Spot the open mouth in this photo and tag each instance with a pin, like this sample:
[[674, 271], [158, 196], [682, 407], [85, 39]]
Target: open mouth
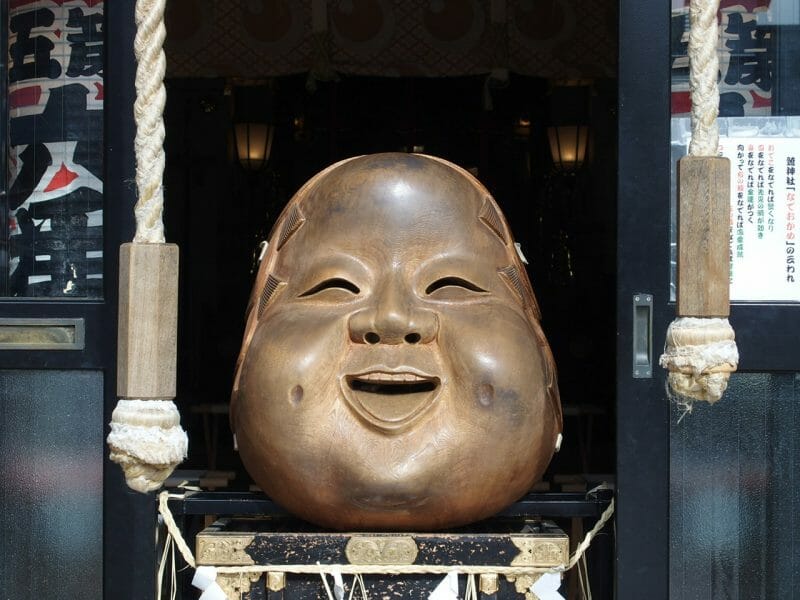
[[392, 384], [388, 399]]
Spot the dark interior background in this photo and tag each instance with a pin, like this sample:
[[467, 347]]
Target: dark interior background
[[218, 213]]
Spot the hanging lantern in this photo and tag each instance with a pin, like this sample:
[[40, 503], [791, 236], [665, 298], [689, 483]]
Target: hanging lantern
[[568, 133], [568, 145], [253, 144], [253, 129]]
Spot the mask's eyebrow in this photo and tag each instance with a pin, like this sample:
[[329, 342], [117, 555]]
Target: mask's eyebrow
[[489, 217], [333, 263]]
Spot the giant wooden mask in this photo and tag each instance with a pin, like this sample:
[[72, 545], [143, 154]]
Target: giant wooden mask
[[393, 373]]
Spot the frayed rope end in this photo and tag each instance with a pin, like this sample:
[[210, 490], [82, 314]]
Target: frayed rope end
[[700, 355]]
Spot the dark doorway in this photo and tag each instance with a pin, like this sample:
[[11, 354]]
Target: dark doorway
[[564, 220]]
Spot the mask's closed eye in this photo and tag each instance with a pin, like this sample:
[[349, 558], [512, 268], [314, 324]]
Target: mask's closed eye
[[452, 286], [334, 283]]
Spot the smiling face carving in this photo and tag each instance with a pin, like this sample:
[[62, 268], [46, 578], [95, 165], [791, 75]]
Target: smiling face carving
[[393, 373]]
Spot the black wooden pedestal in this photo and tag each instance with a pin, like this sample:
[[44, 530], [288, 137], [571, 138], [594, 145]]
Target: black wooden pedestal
[[494, 544], [255, 531]]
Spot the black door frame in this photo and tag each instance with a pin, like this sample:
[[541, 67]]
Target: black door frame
[[129, 525], [766, 333], [129, 550], [643, 199], [643, 413], [642, 266]]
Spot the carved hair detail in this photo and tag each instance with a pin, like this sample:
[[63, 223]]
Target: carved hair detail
[[270, 287], [514, 280], [294, 222], [489, 217], [510, 276]]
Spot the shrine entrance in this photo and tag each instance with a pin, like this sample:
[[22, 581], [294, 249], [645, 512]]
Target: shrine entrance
[[705, 499]]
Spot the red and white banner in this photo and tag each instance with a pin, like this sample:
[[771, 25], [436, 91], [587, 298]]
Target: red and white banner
[[55, 100]]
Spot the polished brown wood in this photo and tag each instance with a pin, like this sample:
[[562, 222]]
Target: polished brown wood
[[703, 232], [393, 373], [148, 318]]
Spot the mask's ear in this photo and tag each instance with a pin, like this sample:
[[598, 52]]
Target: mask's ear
[[255, 307], [515, 277], [553, 397]]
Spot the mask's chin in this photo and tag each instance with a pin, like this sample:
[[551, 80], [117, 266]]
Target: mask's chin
[[390, 399], [391, 502]]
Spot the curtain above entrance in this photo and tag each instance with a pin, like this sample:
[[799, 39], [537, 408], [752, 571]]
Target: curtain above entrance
[[408, 38]]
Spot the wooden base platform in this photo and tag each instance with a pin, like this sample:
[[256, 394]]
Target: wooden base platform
[[495, 544]]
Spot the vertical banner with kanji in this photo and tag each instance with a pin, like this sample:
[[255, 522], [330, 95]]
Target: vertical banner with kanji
[[55, 101], [764, 218]]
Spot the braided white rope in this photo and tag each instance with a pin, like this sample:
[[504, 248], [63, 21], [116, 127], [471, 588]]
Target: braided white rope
[[148, 111], [146, 438], [700, 353], [587, 541], [703, 73], [172, 527]]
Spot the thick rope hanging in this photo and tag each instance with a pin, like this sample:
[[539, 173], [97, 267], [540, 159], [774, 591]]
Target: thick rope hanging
[[700, 352], [146, 438], [703, 70], [148, 110]]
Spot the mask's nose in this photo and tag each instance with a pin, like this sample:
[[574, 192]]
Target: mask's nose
[[393, 317]]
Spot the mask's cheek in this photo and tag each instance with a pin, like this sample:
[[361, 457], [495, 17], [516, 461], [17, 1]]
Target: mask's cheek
[[293, 365], [495, 368]]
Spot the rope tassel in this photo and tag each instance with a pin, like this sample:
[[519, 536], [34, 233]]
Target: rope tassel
[[700, 355], [700, 351]]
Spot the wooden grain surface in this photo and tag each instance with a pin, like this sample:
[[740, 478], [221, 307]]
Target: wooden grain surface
[[148, 320], [703, 237]]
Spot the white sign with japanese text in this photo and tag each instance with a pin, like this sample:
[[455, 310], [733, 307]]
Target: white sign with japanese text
[[764, 217]]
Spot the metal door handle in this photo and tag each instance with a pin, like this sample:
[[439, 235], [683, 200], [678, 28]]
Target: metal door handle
[[642, 335]]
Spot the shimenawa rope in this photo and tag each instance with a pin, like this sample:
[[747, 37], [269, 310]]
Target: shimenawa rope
[[703, 72], [700, 353], [148, 110], [146, 438]]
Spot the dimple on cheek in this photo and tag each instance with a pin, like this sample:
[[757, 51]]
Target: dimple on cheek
[[488, 395], [296, 395], [485, 395]]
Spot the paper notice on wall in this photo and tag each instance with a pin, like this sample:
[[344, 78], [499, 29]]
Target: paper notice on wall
[[764, 218]]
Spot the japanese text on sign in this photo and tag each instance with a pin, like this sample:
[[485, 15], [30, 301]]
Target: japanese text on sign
[[763, 239]]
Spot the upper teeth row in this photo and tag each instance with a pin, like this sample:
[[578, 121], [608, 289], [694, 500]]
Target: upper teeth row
[[391, 377]]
